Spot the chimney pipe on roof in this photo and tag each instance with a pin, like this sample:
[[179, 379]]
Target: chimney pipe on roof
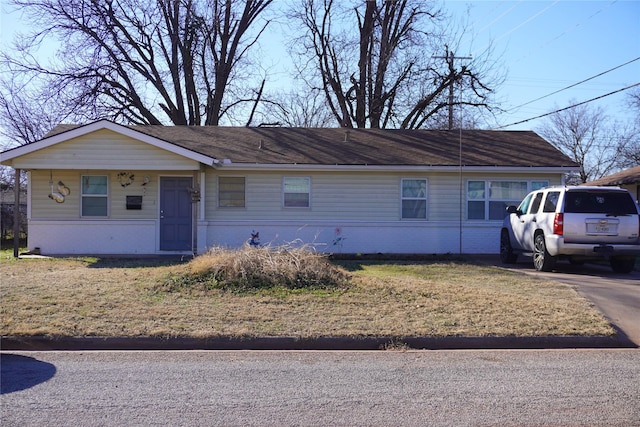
[[346, 136], [261, 146]]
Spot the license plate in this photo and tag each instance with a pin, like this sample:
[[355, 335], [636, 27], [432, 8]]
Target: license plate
[[602, 228]]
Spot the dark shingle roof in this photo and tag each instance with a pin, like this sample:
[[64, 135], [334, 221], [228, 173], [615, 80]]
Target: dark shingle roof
[[339, 146], [625, 177]]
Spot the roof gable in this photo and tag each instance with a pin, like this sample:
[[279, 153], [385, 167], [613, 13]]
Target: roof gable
[[64, 133]]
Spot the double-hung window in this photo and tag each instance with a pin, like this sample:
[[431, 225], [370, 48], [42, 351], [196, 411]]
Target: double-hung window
[[231, 191], [489, 199], [296, 192], [95, 195], [414, 198]]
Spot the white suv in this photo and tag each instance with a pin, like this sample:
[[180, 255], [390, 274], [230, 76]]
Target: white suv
[[579, 223]]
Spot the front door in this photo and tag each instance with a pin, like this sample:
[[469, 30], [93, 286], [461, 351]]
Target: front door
[[175, 214]]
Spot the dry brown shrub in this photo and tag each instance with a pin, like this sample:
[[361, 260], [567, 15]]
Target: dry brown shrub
[[249, 268]]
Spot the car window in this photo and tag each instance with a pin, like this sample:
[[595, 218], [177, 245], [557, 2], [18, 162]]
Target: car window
[[535, 205], [524, 205], [615, 202], [551, 201]]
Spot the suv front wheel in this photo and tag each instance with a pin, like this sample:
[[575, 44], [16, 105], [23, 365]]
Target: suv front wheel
[[542, 260], [507, 256]]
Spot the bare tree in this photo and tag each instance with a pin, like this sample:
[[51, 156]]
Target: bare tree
[[585, 135], [385, 74], [296, 108], [629, 144], [182, 62]]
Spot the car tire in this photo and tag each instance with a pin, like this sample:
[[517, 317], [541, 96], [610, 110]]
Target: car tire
[[622, 264], [506, 250], [542, 260]]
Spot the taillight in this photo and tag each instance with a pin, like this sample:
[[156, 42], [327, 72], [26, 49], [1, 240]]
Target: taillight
[[558, 224]]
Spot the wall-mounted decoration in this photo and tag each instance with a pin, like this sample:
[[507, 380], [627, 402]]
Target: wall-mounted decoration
[[338, 240], [145, 181], [62, 190], [125, 179]]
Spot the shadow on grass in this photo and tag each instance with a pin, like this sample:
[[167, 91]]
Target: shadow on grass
[[146, 262], [355, 262]]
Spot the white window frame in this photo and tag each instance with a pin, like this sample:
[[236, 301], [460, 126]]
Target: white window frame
[[531, 185], [83, 196], [285, 192], [424, 198], [244, 193]]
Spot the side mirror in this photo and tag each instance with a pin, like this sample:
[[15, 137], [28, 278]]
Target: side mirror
[[513, 210]]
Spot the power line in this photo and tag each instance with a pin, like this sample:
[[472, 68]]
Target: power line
[[575, 84], [567, 31], [571, 106], [526, 21]]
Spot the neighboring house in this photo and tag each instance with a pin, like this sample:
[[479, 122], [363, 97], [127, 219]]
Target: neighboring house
[[103, 188], [628, 178], [7, 212]]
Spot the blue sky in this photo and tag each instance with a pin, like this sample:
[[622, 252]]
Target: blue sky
[[544, 46]]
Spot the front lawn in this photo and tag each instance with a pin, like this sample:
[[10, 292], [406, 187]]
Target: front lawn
[[143, 297]]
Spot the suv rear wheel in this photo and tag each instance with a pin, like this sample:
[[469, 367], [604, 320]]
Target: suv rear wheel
[[622, 264], [542, 260]]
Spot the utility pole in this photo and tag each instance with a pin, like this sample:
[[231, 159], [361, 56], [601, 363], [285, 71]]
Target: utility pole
[[450, 57]]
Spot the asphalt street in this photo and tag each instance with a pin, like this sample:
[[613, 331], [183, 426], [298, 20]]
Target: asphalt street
[[288, 388]]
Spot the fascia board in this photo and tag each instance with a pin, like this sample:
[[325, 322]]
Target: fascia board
[[392, 168]]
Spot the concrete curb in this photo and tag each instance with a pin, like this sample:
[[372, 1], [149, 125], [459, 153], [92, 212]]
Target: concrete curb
[[321, 343]]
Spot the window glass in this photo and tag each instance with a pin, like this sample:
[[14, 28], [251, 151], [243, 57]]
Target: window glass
[[619, 203], [231, 192], [296, 192], [475, 210], [551, 201], [507, 190], [414, 198], [94, 185], [537, 185], [490, 199], [536, 203], [94, 199], [475, 190], [524, 206]]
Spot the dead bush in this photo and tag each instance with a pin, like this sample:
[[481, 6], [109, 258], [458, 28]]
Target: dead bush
[[252, 268]]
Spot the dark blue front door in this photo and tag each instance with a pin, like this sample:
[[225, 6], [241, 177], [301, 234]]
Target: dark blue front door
[[175, 214]]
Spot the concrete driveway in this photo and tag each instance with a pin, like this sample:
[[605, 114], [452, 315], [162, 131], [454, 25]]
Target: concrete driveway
[[617, 296]]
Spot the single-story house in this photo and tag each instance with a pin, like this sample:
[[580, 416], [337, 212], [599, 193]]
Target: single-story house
[[628, 178], [105, 188]]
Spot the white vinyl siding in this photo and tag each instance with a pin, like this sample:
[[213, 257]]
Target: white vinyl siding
[[145, 184], [105, 150]]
